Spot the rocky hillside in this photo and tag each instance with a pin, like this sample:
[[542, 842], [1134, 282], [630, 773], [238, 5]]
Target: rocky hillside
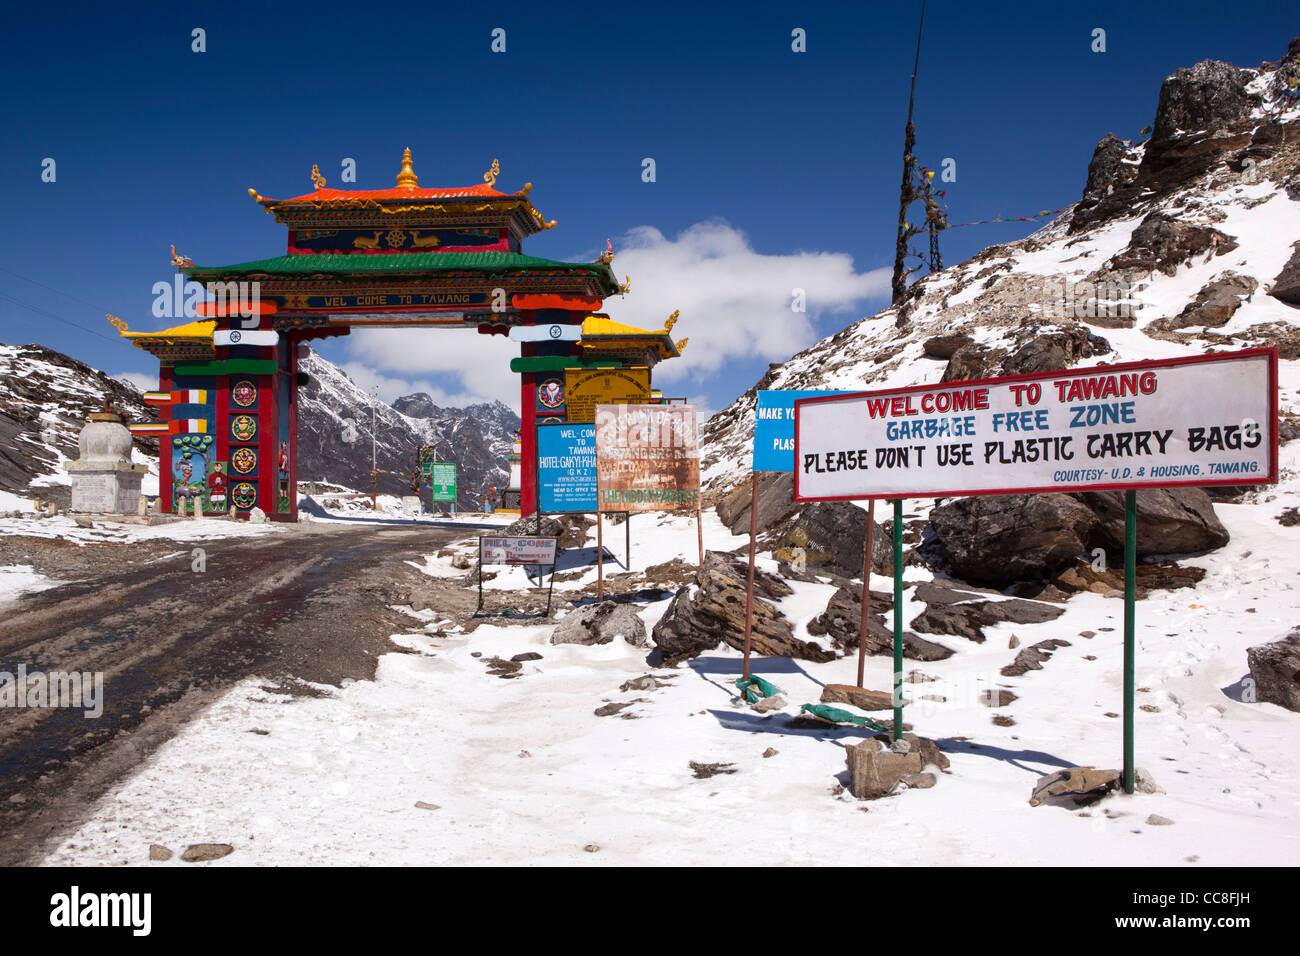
[[335, 440], [45, 397], [1180, 244]]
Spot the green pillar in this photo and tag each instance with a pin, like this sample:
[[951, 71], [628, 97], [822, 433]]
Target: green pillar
[[898, 619], [1130, 654]]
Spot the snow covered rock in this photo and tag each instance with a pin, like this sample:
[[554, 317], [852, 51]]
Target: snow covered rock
[[874, 772], [600, 624], [1074, 787], [1275, 669], [1286, 286], [1210, 95], [843, 617], [711, 610]]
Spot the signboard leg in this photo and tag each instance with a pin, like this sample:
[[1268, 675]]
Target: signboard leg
[[627, 541], [600, 558], [699, 533], [1130, 613], [749, 588], [866, 583], [898, 619]]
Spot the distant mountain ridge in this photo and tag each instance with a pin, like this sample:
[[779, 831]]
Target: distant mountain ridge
[[45, 397]]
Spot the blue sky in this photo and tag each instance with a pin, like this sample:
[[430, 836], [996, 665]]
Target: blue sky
[[774, 169]]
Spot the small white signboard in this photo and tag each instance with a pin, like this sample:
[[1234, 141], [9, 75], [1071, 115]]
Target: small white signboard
[[516, 550]]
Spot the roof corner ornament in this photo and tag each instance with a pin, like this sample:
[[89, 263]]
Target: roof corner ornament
[[608, 255], [490, 177], [407, 179], [681, 346], [180, 261], [117, 323], [672, 320], [626, 287], [317, 179], [528, 187], [257, 197]]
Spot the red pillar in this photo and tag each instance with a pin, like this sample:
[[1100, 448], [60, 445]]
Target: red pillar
[[527, 432]]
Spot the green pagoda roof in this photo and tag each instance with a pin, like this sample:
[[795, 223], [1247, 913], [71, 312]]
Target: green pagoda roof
[[401, 263]]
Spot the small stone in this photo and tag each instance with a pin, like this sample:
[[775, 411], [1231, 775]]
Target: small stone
[[1013, 643], [767, 704], [475, 653], [592, 848], [1091, 634], [421, 805], [202, 852], [259, 731], [1156, 820], [645, 682], [901, 746], [159, 852], [770, 752], [1144, 782], [920, 781], [609, 710], [526, 656]]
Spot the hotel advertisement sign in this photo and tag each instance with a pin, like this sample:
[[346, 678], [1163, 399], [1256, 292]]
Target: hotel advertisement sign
[[1205, 420], [647, 458]]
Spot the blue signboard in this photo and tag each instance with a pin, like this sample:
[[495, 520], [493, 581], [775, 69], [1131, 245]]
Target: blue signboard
[[774, 428], [566, 468]]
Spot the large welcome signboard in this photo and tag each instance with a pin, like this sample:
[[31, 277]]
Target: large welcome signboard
[[566, 468], [647, 458], [1207, 420]]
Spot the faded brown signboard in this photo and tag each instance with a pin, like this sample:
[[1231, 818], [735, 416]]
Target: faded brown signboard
[[587, 388], [647, 458]]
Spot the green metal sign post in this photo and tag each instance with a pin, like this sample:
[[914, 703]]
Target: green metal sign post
[[1130, 613], [898, 619]]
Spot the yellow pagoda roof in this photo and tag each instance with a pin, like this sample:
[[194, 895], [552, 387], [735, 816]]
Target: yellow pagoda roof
[[200, 330], [602, 332]]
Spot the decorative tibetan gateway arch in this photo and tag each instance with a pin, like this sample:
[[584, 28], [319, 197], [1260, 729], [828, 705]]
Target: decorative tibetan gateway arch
[[402, 257]]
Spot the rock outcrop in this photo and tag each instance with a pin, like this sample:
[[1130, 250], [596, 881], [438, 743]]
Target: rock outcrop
[[1275, 669], [710, 610]]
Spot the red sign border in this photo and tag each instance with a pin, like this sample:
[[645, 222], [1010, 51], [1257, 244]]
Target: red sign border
[[1148, 364]]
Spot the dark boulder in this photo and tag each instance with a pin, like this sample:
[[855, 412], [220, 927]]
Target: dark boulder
[[1164, 243], [997, 539], [1169, 521], [1213, 306], [943, 346], [831, 537], [1286, 287], [775, 502], [1210, 96], [1275, 669]]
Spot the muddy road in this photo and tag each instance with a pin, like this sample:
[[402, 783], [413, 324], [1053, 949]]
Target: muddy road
[[169, 634]]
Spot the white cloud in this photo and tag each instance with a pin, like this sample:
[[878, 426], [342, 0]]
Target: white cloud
[[480, 363], [735, 302], [138, 381]]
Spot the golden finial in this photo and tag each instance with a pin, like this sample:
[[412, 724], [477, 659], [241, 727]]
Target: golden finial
[[626, 287], [406, 179], [180, 260], [317, 179], [490, 177], [672, 320], [117, 323], [608, 255], [255, 194], [681, 346], [528, 187]]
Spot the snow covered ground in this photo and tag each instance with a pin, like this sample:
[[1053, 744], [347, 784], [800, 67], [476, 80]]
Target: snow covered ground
[[521, 771]]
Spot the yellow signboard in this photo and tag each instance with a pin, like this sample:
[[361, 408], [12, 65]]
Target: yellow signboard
[[586, 388]]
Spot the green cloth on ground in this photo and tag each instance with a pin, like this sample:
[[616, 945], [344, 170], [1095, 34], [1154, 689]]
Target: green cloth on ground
[[839, 716], [752, 686]]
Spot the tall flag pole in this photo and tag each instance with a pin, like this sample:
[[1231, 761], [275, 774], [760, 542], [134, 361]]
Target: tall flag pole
[[905, 195]]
